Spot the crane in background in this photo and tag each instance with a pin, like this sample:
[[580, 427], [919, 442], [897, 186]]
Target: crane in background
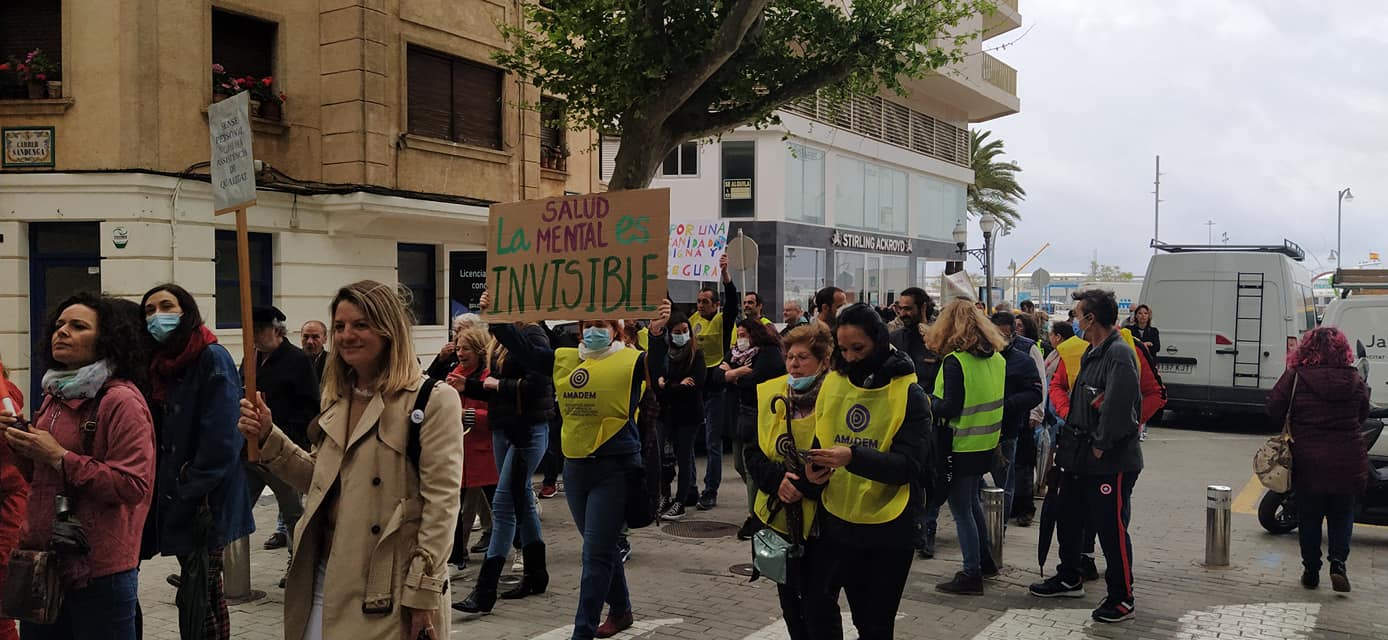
[[1016, 269]]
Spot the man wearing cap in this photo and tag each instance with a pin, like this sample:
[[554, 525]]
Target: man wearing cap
[[285, 376]]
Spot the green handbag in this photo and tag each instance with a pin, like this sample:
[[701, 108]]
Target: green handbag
[[772, 555]]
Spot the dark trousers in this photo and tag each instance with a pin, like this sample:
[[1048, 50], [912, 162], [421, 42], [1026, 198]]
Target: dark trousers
[[104, 609], [1024, 476], [1102, 502], [291, 502], [1338, 513], [679, 439], [798, 599], [552, 465], [596, 489], [873, 580]]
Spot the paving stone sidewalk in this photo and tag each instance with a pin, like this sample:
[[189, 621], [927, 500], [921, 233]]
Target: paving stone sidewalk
[[683, 587]]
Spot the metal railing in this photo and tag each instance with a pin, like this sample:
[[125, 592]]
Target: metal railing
[[998, 74], [890, 122]]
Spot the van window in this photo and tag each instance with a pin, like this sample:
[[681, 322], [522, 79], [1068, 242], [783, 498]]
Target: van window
[[1308, 308]]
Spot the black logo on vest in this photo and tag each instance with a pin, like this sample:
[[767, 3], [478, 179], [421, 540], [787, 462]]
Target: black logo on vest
[[579, 378], [858, 418]]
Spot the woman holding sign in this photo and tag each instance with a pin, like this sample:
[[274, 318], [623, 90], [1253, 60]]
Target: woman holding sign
[[599, 386], [872, 432]]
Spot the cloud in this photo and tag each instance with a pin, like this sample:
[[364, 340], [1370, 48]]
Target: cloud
[[1261, 111]]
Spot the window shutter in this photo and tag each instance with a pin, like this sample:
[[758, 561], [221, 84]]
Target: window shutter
[[476, 104], [608, 160], [429, 94]]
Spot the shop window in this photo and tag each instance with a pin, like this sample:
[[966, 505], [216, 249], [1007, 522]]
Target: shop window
[[848, 274], [804, 184], [242, 45], [26, 25], [870, 196], [739, 179], [554, 145], [683, 161], [228, 291], [804, 274], [939, 204], [417, 272], [453, 99]]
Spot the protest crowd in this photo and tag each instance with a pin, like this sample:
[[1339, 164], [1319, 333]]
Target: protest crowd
[[850, 428]]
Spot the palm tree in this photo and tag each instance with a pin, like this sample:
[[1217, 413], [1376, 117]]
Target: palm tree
[[995, 189]]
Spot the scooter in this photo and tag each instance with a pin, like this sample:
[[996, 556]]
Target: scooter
[[1277, 511]]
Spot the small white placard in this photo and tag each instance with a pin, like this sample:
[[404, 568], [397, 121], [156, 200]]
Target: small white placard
[[233, 165]]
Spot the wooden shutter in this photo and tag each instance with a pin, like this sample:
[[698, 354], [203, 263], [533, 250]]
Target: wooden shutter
[[243, 45], [429, 94], [26, 25], [476, 104], [607, 160]]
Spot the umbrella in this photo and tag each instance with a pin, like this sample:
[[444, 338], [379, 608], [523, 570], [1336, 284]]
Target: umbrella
[[1048, 511], [192, 587]]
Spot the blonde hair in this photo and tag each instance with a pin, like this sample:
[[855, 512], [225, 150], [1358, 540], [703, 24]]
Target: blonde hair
[[476, 340], [962, 327], [387, 312], [816, 339]]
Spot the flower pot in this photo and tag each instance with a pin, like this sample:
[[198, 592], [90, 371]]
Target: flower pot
[[255, 108], [55, 89], [37, 89], [218, 96], [271, 111]]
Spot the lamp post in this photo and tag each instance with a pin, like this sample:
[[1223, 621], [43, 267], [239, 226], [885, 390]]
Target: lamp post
[[987, 222], [1344, 196]]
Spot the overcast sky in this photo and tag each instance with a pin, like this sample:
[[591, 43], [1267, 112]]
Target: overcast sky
[[1261, 111]]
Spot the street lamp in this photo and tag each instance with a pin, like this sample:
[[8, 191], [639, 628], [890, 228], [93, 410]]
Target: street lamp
[[988, 223], [1344, 196]]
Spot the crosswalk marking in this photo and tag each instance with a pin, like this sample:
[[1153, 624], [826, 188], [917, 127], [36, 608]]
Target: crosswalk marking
[[639, 629]]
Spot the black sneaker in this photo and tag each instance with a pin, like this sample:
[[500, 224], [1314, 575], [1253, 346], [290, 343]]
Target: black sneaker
[[1310, 579], [673, 513], [1088, 570], [624, 549], [707, 502], [927, 548], [665, 502], [1112, 611], [1055, 587], [962, 585], [1025, 519], [750, 527], [1339, 580]]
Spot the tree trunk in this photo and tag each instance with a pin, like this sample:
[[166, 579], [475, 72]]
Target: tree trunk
[[638, 158]]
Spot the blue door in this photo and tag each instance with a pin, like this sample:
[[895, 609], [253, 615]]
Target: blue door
[[64, 259]]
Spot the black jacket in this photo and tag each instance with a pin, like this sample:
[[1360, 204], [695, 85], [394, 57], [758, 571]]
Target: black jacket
[[679, 405], [901, 464], [526, 395], [1150, 334], [319, 365], [291, 389], [441, 366], [1022, 389], [1108, 376], [909, 341]]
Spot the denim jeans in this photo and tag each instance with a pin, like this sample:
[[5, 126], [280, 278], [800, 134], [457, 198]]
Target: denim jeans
[[514, 502], [713, 439], [291, 502], [1338, 513], [597, 493], [104, 610], [966, 505], [929, 519], [1004, 476]]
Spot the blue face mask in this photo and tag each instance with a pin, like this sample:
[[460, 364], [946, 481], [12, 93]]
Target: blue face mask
[[161, 325], [801, 384], [679, 339], [596, 338], [1079, 333]]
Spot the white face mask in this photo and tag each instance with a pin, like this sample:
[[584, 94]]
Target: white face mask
[[744, 344]]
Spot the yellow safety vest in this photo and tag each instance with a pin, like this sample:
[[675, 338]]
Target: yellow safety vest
[[979, 426], [594, 397], [643, 339], [709, 336], [771, 429], [732, 335], [847, 414], [1072, 353]]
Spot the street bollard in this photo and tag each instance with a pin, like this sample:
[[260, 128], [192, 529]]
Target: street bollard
[[996, 520], [236, 569], [1218, 503]]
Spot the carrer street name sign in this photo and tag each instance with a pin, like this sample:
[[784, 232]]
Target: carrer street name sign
[[849, 240]]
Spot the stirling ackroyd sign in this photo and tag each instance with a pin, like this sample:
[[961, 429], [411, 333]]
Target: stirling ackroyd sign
[[846, 240]]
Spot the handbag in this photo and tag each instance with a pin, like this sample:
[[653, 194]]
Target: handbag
[[1273, 461], [772, 555]]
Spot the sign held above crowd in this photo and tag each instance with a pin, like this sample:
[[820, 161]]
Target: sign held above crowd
[[695, 247], [601, 255]]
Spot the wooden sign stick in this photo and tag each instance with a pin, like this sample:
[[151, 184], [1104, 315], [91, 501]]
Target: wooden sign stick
[[248, 358]]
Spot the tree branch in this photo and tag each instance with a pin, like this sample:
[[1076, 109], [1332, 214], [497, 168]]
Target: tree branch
[[742, 15]]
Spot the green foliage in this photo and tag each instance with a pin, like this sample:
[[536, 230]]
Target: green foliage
[[661, 72], [995, 189], [1108, 272]]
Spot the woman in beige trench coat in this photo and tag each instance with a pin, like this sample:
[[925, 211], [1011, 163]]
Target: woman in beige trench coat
[[370, 552]]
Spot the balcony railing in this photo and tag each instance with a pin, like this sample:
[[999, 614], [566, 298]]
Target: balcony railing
[[880, 119], [998, 74]]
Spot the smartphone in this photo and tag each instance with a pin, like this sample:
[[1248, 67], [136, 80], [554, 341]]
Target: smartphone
[[21, 424]]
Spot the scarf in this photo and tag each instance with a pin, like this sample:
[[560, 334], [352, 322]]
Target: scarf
[[584, 353], [802, 403], [80, 383], [165, 366], [742, 358], [681, 354]]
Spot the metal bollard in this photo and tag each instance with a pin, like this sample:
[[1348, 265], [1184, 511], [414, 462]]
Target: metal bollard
[[996, 520], [236, 569], [1218, 504]]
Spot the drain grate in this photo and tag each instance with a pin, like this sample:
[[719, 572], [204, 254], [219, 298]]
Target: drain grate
[[700, 529]]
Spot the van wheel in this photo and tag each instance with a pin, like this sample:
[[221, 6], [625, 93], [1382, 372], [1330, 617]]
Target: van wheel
[[1277, 512]]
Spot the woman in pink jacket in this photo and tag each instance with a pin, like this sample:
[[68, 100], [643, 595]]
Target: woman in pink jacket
[[479, 464]]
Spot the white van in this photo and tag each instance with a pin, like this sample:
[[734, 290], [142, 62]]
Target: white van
[[1362, 314], [1227, 315]]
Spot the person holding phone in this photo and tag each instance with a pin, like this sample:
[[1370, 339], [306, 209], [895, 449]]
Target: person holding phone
[[13, 488], [872, 435]]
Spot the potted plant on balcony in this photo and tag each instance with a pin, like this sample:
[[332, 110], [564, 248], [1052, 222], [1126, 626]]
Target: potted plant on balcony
[[222, 83], [35, 70], [271, 102]]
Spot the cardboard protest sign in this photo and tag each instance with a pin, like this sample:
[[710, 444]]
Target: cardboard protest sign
[[601, 255], [233, 166], [695, 247]]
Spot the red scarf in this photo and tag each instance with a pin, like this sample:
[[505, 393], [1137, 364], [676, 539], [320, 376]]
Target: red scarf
[[164, 366]]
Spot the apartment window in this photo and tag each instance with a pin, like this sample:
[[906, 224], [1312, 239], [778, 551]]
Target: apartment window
[[608, 147], [243, 45], [804, 274], [804, 184], [417, 272], [554, 146], [453, 99], [228, 290], [870, 196], [683, 161], [939, 204], [26, 25], [739, 179]]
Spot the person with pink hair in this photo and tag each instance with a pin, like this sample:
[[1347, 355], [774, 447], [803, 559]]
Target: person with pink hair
[[1328, 401]]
